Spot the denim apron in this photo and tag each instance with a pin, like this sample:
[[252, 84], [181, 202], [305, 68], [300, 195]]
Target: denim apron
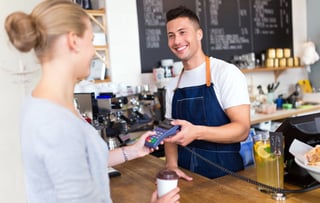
[[199, 105]]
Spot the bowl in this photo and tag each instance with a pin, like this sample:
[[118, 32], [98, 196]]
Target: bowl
[[267, 108], [286, 106], [314, 171]]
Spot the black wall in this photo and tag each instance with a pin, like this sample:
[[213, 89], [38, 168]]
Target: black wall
[[231, 27]]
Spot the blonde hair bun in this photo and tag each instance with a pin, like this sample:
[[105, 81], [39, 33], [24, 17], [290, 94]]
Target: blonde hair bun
[[21, 31]]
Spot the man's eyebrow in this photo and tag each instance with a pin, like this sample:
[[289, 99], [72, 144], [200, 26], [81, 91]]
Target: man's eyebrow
[[180, 29]]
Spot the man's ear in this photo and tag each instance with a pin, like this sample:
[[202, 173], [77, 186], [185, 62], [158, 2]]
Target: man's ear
[[72, 40], [199, 34]]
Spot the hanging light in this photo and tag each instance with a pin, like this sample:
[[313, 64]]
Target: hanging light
[[310, 55]]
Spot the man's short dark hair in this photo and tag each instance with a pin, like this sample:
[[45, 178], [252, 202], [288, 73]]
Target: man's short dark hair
[[182, 11]]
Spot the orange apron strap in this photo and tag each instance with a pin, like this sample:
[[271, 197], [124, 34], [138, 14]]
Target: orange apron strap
[[208, 73]]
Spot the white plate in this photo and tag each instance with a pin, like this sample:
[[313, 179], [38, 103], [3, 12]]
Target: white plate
[[312, 170]]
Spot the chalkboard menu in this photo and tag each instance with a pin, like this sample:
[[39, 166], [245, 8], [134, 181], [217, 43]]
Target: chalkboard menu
[[231, 27]]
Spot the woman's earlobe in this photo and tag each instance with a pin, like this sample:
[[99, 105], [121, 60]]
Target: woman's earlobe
[[72, 41], [200, 34]]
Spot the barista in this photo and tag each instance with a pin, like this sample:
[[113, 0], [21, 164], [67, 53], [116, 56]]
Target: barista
[[209, 99]]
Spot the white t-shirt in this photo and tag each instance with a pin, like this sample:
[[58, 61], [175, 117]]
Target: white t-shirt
[[229, 83], [65, 159]]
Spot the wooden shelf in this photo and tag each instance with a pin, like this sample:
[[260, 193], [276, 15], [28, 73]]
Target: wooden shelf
[[95, 15], [277, 70], [101, 81], [98, 18], [282, 114]]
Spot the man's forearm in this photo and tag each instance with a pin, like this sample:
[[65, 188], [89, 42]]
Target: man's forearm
[[171, 152]]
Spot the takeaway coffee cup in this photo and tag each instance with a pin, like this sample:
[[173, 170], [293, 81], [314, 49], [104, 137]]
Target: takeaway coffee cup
[[167, 180]]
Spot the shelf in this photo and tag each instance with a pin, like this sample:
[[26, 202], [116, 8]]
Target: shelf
[[98, 17], [264, 69], [282, 114], [95, 15], [277, 70], [101, 47], [101, 81]]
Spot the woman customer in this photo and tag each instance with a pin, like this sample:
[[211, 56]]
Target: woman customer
[[65, 159]]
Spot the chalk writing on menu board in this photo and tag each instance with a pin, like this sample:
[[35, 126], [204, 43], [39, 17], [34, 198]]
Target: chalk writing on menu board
[[231, 27]]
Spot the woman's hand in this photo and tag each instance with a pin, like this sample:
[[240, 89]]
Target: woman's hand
[[171, 197], [139, 149]]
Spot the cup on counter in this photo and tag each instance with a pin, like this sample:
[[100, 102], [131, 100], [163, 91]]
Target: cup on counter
[[158, 73], [167, 180], [269, 160]]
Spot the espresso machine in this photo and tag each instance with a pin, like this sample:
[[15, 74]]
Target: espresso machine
[[115, 117], [119, 116]]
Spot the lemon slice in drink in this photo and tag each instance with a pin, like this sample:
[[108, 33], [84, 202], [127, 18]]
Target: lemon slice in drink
[[263, 151]]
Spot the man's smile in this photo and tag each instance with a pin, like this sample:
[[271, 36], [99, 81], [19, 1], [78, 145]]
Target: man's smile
[[181, 48]]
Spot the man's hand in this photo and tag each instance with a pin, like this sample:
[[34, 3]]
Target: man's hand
[[186, 135], [180, 173]]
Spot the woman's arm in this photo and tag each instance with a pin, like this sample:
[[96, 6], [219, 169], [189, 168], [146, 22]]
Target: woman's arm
[[137, 150]]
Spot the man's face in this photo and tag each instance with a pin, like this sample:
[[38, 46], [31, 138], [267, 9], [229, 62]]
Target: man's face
[[184, 38]]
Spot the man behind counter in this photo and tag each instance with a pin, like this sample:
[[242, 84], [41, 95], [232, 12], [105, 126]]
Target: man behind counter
[[209, 99]]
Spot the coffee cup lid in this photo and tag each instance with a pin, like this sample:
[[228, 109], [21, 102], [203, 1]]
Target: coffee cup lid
[[167, 175]]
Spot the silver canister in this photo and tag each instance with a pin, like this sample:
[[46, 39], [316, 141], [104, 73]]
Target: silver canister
[[113, 142]]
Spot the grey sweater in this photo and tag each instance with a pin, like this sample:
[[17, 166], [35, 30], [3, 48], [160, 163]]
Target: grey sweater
[[65, 159]]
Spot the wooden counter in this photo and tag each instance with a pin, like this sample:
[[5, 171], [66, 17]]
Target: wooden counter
[[282, 114], [137, 182]]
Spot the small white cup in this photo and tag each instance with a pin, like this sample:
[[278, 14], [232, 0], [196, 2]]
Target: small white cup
[[167, 180]]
